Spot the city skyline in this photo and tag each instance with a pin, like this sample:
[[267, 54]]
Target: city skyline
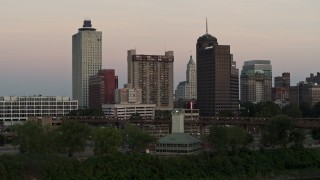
[[35, 52]]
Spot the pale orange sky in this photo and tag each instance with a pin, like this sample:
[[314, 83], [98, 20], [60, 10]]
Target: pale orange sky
[[35, 36]]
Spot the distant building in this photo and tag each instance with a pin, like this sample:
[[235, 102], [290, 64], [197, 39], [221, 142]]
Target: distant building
[[126, 110], [314, 79], [305, 93], [217, 77], [129, 101], [128, 95], [256, 81], [187, 90], [280, 92], [102, 87], [154, 75], [282, 81], [17, 109], [86, 61]]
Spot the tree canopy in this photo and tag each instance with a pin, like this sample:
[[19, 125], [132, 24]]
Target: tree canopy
[[106, 141], [224, 138], [135, 138], [72, 136], [87, 112]]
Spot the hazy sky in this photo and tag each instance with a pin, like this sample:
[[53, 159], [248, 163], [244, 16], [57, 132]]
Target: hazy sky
[[35, 36]]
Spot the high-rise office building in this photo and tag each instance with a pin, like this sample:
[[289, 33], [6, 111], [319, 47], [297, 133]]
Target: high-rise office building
[[154, 75], [86, 61], [187, 90], [217, 77], [256, 81], [102, 87]]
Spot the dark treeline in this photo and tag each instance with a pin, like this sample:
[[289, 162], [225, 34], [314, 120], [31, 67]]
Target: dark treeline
[[246, 164], [270, 109]]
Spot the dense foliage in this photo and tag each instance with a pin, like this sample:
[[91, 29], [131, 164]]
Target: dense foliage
[[246, 164], [87, 112]]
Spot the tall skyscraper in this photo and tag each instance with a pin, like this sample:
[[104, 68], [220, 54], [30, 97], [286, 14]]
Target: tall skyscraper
[[187, 90], [154, 75], [102, 87], [256, 81], [217, 77], [86, 61]]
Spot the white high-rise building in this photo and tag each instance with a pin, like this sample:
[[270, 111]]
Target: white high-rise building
[[86, 61], [187, 90]]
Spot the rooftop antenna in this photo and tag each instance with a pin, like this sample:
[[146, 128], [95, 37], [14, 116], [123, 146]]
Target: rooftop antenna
[[206, 26]]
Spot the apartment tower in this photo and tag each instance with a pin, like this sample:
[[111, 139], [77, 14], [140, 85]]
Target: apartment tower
[[86, 61], [154, 75]]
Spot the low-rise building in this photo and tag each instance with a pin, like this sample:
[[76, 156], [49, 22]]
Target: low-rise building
[[126, 110], [178, 142], [17, 109]]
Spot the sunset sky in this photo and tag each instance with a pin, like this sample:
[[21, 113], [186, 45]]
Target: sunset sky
[[35, 36]]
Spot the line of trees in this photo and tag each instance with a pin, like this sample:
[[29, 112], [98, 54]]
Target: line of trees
[[270, 109], [72, 137]]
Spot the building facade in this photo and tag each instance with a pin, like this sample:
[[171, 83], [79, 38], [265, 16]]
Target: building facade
[[17, 109], [187, 90], [305, 93], [154, 75], [217, 77], [86, 61], [256, 81], [125, 111], [280, 91], [128, 95], [102, 87], [313, 78]]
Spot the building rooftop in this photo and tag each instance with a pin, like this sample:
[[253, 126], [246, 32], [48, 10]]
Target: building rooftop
[[178, 138]]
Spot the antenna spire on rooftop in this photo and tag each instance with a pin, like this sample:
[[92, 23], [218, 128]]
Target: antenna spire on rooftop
[[206, 26]]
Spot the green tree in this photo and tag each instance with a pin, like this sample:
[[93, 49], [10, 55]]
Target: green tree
[[30, 137], [224, 138], [218, 136], [305, 109], [292, 110], [226, 113], [315, 134], [277, 131], [136, 138], [316, 110], [87, 112], [106, 141], [162, 114], [3, 172], [267, 109], [72, 136], [297, 137], [135, 116], [248, 109]]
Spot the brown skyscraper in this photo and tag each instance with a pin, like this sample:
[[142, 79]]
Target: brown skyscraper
[[217, 77]]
